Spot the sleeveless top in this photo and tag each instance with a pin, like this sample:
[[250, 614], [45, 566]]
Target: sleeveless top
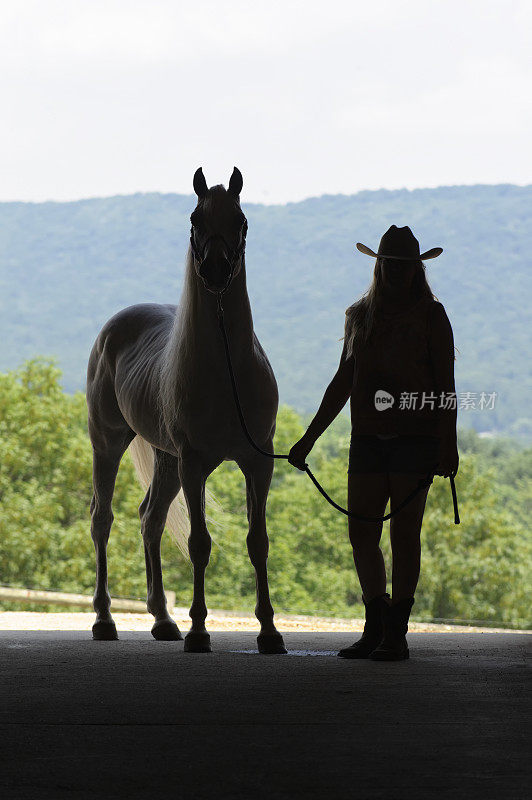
[[394, 390]]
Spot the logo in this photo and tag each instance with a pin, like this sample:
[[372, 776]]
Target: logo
[[383, 400]]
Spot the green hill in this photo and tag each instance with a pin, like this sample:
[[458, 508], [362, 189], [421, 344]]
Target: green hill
[[66, 267]]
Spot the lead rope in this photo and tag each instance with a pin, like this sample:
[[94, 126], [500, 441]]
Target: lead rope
[[422, 484]]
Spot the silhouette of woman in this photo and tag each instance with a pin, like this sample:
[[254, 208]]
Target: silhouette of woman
[[397, 366]]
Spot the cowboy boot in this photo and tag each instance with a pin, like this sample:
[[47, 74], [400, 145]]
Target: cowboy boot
[[393, 646], [373, 629]]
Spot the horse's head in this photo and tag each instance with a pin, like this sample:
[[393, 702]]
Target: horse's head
[[218, 234]]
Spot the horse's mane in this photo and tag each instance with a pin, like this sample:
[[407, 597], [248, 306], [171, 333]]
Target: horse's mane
[[215, 194], [177, 358]]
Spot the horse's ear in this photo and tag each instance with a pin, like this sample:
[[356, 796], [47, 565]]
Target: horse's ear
[[199, 183], [236, 182]]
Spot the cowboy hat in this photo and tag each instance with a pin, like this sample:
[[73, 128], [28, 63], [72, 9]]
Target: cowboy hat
[[400, 244]]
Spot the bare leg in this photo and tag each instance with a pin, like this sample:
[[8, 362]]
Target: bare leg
[[405, 530], [153, 511], [258, 473], [193, 476], [105, 468], [368, 494]]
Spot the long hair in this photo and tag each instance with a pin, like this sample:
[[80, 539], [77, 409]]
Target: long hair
[[177, 360], [360, 317]]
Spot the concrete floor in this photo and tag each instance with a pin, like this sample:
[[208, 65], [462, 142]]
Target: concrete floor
[[141, 719]]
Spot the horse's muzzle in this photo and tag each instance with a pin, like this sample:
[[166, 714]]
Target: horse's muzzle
[[215, 274]]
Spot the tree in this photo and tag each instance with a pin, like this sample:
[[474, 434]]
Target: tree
[[473, 571]]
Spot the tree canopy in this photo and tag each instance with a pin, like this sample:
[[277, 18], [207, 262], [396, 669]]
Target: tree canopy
[[474, 571]]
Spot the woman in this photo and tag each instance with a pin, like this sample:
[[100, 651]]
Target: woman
[[397, 366]]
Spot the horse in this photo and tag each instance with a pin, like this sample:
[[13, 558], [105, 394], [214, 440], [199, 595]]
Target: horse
[[157, 382]]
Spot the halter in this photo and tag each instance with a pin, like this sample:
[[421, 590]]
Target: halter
[[235, 254]]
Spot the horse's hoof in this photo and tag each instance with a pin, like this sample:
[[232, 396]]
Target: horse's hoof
[[166, 631], [198, 642], [104, 631], [271, 644]]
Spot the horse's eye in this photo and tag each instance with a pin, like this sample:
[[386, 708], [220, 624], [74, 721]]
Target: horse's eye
[[195, 219]]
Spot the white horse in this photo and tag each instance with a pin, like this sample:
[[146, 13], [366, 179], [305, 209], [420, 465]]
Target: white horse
[[158, 381]]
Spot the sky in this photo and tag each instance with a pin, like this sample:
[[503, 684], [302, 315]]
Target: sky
[[307, 98]]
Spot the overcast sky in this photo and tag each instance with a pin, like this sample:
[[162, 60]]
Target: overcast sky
[[103, 97]]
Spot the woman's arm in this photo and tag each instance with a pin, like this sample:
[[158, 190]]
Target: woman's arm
[[335, 397], [442, 358]]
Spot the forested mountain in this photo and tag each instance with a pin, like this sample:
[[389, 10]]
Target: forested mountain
[[66, 267]]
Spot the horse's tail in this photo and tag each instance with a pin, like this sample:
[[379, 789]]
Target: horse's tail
[[177, 519]]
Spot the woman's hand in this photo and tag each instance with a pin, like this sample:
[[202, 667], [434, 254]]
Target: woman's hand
[[300, 451], [448, 458]]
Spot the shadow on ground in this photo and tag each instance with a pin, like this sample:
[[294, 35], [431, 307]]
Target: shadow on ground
[[140, 719]]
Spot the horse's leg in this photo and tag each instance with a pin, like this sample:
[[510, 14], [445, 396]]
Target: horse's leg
[[105, 468], [153, 511], [193, 476], [258, 473], [142, 508]]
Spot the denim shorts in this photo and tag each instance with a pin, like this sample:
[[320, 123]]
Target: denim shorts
[[403, 453]]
